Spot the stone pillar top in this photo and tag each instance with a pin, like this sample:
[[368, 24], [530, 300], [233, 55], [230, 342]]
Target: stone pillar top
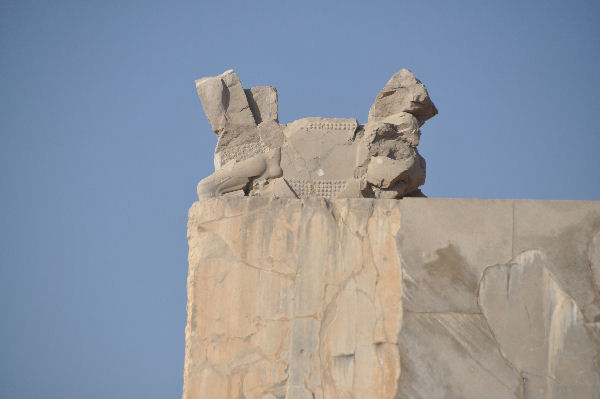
[[314, 157]]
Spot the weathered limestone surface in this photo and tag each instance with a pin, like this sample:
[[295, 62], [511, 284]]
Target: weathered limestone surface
[[540, 328], [293, 299], [403, 93], [263, 103], [314, 157], [378, 298], [224, 101]]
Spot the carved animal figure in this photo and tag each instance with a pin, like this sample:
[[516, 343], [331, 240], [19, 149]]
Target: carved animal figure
[[314, 157]]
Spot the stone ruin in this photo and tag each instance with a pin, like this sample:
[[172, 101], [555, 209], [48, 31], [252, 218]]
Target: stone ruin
[[376, 298], [314, 157]]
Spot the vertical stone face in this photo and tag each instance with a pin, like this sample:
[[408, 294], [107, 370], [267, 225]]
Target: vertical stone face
[[453, 355], [540, 328], [446, 245], [412, 298], [293, 299], [567, 232]]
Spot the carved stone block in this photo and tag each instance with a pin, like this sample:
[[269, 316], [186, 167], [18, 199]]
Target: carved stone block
[[318, 156]]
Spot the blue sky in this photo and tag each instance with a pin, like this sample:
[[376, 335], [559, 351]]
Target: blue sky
[[103, 139]]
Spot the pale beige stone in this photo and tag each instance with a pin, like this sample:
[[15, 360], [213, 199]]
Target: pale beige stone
[[403, 93], [406, 125], [264, 376], [452, 355], [352, 188], [446, 246], [364, 298], [238, 143], [320, 157], [594, 329], [270, 317], [540, 329], [384, 145], [271, 338], [386, 172], [263, 103], [319, 149], [594, 254], [276, 188], [271, 134], [206, 383], [565, 231], [224, 101], [238, 175], [383, 139]]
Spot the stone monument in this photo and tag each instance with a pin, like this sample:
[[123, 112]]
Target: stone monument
[[314, 157], [316, 271]]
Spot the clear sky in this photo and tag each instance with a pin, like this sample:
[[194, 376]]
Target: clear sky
[[103, 140]]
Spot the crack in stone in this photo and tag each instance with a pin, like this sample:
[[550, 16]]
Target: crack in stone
[[443, 313], [489, 328], [373, 270]]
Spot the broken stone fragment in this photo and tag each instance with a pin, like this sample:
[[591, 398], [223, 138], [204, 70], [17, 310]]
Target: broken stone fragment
[[237, 143], [403, 93], [406, 126], [224, 101], [416, 174], [385, 172], [263, 103], [320, 157], [394, 167], [240, 142], [383, 139]]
